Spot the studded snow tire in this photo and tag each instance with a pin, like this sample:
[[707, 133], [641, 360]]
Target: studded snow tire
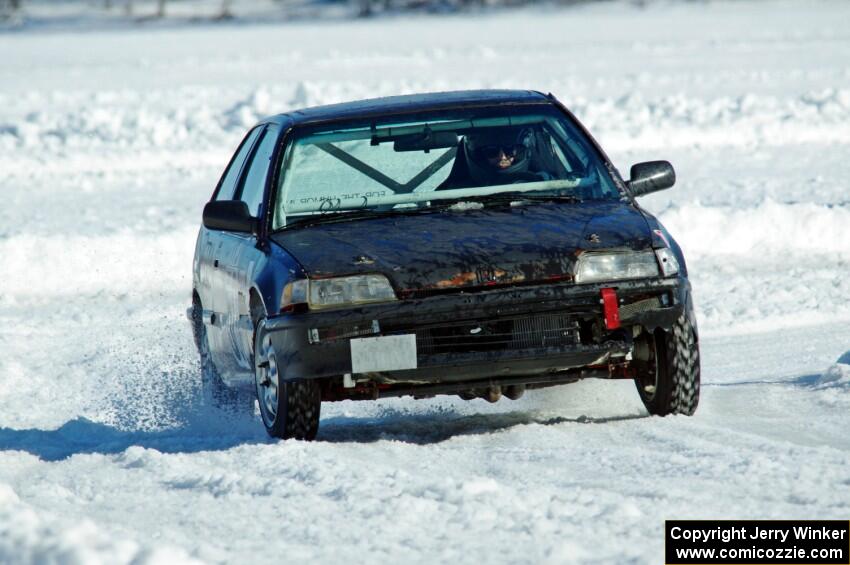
[[669, 382], [303, 402], [289, 408], [297, 417]]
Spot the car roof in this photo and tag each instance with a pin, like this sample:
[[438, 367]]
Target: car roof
[[409, 103]]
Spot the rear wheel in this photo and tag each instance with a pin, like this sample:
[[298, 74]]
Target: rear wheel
[[669, 369], [290, 409]]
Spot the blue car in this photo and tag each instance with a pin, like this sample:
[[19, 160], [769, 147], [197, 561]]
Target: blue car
[[476, 243]]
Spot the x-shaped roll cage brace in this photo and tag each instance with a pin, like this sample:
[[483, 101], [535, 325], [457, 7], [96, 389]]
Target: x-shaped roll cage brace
[[431, 169], [383, 179], [427, 172]]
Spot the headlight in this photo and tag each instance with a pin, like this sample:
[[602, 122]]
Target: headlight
[[595, 267], [668, 262], [336, 292], [344, 291]]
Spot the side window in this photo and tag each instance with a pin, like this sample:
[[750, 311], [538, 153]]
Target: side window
[[227, 188], [254, 182]]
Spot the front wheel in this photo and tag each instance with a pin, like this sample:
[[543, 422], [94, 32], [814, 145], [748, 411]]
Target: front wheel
[[669, 369], [290, 409]]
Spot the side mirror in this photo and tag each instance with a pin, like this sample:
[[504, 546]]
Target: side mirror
[[229, 215], [651, 176]]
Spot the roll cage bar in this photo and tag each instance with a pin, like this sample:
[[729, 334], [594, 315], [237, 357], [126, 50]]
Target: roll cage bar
[[387, 134], [383, 179]]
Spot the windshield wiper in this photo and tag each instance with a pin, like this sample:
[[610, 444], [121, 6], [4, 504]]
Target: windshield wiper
[[357, 214], [526, 196], [435, 206]]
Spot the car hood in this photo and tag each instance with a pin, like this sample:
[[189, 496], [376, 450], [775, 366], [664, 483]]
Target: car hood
[[454, 249]]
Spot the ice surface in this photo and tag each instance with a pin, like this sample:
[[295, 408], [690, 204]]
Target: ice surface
[[111, 140]]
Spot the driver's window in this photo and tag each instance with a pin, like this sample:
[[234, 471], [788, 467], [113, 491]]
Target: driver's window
[[227, 186], [254, 181]]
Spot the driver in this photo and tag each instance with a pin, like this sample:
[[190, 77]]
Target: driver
[[493, 156]]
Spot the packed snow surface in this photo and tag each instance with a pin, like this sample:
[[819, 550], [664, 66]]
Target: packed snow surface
[[111, 142]]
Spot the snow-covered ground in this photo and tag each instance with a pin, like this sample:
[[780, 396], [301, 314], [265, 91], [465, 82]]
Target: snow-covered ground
[[111, 141]]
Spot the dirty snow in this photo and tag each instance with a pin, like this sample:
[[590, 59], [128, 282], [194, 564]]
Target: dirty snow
[[111, 141]]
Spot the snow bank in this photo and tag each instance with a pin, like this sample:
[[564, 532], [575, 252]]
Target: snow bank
[[770, 229], [120, 265], [774, 265], [106, 118], [200, 118], [636, 122]]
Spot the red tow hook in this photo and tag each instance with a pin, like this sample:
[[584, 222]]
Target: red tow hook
[[611, 308]]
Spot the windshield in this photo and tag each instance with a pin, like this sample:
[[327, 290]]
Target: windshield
[[435, 161]]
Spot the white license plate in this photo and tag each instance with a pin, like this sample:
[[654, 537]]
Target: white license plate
[[385, 353]]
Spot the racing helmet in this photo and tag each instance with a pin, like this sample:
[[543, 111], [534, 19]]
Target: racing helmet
[[498, 155]]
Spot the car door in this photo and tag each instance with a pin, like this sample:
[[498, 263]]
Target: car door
[[241, 256], [211, 282]]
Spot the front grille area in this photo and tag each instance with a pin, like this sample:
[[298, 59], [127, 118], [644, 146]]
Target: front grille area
[[629, 310], [551, 330], [487, 286], [317, 335]]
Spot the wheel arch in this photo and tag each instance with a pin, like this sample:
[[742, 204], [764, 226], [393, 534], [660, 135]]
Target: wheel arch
[[256, 304]]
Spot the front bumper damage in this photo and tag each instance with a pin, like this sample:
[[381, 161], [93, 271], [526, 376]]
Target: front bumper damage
[[542, 334]]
